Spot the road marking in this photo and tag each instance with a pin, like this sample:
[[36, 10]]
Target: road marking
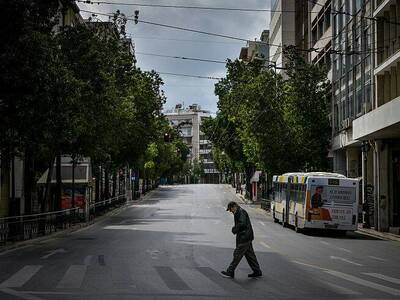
[[340, 289], [262, 223], [101, 260], [325, 243], [73, 278], [265, 245], [366, 283], [205, 261], [354, 279], [308, 265], [384, 277], [21, 277], [377, 258], [171, 278], [345, 260], [343, 249], [16, 249], [153, 253], [19, 294], [87, 260], [53, 252]]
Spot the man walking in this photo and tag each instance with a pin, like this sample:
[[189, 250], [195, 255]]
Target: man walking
[[244, 247]]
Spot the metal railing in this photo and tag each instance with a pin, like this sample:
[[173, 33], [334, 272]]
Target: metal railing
[[25, 227], [100, 207], [266, 204]]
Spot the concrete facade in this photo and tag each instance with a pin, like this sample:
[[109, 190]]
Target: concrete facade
[[379, 128], [282, 30], [256, 50], [188, 121]]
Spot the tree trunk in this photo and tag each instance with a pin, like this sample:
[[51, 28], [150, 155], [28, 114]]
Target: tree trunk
[[13, 200], [97, 184], [29, 178], [5, 184], [249, 173], [47, 192], [57, 204], [101, 184], [114, 184], [106, 183], [73, 184]]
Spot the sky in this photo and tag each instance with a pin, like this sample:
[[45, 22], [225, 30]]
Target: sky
[[150, 39]]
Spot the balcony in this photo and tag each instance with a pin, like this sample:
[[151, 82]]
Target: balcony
[[382, 6], [380, 123], [387, 64], [204, 151]]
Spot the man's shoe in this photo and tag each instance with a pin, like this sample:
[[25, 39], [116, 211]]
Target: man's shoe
[[255, 275], [228, 274]]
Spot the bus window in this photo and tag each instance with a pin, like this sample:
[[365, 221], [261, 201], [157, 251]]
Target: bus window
[[293, 192]]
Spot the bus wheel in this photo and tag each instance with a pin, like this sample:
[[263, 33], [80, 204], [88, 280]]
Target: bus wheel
[[274, 217]]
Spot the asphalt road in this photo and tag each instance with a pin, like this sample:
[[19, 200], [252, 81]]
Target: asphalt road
[[173, 246]]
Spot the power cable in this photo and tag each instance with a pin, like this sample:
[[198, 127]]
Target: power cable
[[182, 57], [185, 6], [315, 2], [184, 40], [188, 75], [189, 29]]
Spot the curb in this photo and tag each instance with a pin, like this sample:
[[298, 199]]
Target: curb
[[382, 235], [240, 196], [72, 229]]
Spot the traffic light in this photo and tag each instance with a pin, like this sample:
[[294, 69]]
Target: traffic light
[[136, 16]]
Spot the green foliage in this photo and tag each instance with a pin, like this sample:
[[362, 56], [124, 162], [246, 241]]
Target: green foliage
[[270, 122], [77, 91]]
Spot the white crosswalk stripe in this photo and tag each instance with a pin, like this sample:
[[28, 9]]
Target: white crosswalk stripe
[[21, 277], [366, 283], [384, 277], [340, 289], [73, 278]]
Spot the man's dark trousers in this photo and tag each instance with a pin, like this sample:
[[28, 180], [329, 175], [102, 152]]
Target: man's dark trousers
[[246, 250]]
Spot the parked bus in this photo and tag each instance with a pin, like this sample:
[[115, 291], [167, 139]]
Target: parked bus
[[315, 200]]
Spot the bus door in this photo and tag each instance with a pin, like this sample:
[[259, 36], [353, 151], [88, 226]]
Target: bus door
[[287, 204]]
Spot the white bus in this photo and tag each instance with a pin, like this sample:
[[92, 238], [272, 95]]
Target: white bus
[[315, 200]]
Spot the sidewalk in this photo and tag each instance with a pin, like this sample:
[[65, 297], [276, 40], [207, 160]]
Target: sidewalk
[[378, 234], [11, 246]]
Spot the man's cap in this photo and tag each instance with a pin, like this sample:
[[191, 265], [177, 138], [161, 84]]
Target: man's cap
[[230, 205]]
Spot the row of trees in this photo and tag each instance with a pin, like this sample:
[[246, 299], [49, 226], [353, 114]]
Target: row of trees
[[76, 92], [271, 122]]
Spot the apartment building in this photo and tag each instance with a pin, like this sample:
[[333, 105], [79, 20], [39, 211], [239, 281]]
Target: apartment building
[[379, 127], [188, 121], [256, 50], [282, 30], [359, 42]]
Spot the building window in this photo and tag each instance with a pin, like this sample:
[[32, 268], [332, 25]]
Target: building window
[[351, 106], [359, 101]]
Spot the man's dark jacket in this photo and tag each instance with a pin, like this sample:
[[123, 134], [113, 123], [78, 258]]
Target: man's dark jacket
[[242, 229]]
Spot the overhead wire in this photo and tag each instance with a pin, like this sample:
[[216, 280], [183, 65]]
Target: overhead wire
[[233, 9], [182, 57]]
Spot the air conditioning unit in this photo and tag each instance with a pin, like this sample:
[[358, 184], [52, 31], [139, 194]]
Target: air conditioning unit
[[367, 107]]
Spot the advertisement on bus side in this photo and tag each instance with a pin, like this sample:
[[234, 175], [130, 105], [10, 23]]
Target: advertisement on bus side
[[331, 203]]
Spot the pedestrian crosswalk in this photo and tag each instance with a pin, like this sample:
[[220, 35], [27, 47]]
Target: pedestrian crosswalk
[[73, 278], [21, 277], [195, 279]]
